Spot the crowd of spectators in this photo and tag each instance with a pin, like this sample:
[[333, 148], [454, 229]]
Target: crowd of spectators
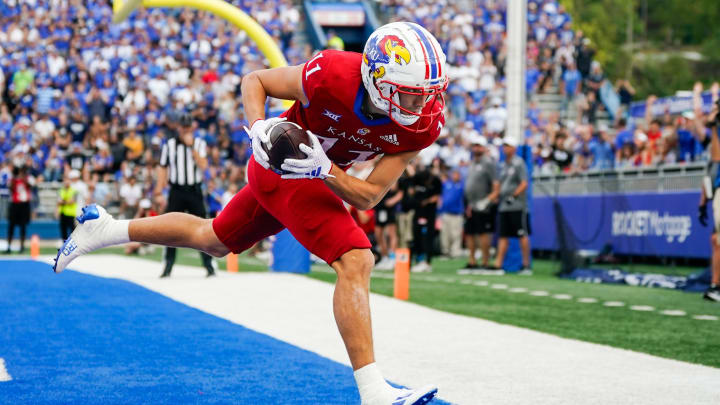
[[560, 60], [80, 93]]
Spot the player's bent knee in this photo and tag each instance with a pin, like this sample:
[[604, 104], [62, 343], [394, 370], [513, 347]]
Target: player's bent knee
[[208, 242], [355, 263]]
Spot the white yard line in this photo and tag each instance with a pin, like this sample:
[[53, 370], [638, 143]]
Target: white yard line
[[673, 312], [473, 361], [4, 375], [642, 308]]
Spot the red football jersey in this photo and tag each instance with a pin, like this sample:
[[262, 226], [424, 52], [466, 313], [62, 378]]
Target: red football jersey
[[20, 189], [334, 89]]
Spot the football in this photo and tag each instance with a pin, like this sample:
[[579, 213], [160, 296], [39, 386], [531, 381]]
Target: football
[[285, 140]]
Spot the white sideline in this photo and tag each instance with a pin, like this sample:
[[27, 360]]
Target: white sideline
[[473, 361], [4, 375]]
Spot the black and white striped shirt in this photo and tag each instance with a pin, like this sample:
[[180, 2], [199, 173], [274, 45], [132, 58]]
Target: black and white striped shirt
[[183, 170]]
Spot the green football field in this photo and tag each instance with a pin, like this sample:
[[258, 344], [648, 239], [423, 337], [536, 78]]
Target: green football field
[[660, 322]]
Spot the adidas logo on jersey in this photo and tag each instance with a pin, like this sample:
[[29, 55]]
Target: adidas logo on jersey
[[390, 138]]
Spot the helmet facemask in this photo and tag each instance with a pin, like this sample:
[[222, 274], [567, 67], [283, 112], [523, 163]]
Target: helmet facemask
[[405, 117]]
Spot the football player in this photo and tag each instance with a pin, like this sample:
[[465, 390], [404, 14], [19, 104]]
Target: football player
[[386, 101]]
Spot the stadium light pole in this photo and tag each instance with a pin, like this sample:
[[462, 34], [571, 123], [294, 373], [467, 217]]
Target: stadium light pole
[[515, 72]]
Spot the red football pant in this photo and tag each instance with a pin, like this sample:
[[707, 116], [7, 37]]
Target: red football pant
[[314, 215]]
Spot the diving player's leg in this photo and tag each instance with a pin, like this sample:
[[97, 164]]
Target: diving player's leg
[[242, 223], [351, 306], [97, 229]]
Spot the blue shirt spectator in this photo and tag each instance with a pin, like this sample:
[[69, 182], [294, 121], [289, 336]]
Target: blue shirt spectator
[[623, 136], [452, 196], [602, 154], [571, 79], [686, 145]]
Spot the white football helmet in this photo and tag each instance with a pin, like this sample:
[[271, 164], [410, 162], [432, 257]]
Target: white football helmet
[[403, 57]]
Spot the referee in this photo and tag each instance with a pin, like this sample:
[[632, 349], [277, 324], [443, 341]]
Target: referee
[[185, 156]]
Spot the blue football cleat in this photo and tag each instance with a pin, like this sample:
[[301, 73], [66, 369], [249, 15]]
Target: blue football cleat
[[418, 396], [89, 235]]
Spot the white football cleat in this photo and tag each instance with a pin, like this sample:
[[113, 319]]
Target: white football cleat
[[385, 263], [92, 233], [422, 267], [418, 396]]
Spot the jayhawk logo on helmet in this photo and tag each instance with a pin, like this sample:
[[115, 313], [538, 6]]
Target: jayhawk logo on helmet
[[380, 51]]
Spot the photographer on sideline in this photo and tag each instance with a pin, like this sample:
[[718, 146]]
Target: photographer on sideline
[[711, 191]]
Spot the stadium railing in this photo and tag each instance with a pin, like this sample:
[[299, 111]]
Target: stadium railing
[[666, 178]]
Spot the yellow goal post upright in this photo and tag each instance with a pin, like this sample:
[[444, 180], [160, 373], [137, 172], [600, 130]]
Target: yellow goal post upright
[[222, 9]]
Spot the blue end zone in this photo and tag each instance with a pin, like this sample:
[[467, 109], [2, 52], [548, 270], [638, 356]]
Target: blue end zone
[[75, 338]]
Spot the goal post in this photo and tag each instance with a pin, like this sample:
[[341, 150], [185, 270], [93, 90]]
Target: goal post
[[122, 9]]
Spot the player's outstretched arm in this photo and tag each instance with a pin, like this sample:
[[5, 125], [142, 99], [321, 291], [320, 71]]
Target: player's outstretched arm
[[365, 194], [283, 83]]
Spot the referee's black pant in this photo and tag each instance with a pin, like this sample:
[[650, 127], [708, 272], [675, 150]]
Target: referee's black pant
[[186, 199]]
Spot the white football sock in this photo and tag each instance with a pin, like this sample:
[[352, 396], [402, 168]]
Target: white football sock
[[116, 232], [372, 386]]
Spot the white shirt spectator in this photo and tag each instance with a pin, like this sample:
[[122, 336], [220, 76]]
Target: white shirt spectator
[[457, 44], [475, 58], [564, 54], [44, 128], [289, 15], [125, 51], [131, 194], [466, 76], [33, 35], [55, 64], [123, 84], [108, 52], [168, 62], [495, 119], [464, 22], [159, 88], [137, 98], [453, 155], [487, 76], [187, 96], [16, 34], [178, 77], [98, 63], [22, 147], [201, 46]]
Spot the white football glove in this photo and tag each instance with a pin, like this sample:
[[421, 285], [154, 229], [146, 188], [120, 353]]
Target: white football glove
[[259, 136], [315, 166]]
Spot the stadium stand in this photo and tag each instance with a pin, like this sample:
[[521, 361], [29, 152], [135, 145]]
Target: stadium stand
[[78, 92]]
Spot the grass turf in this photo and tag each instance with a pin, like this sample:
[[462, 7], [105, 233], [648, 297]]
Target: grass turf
[[681, 338], [676, 337]]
